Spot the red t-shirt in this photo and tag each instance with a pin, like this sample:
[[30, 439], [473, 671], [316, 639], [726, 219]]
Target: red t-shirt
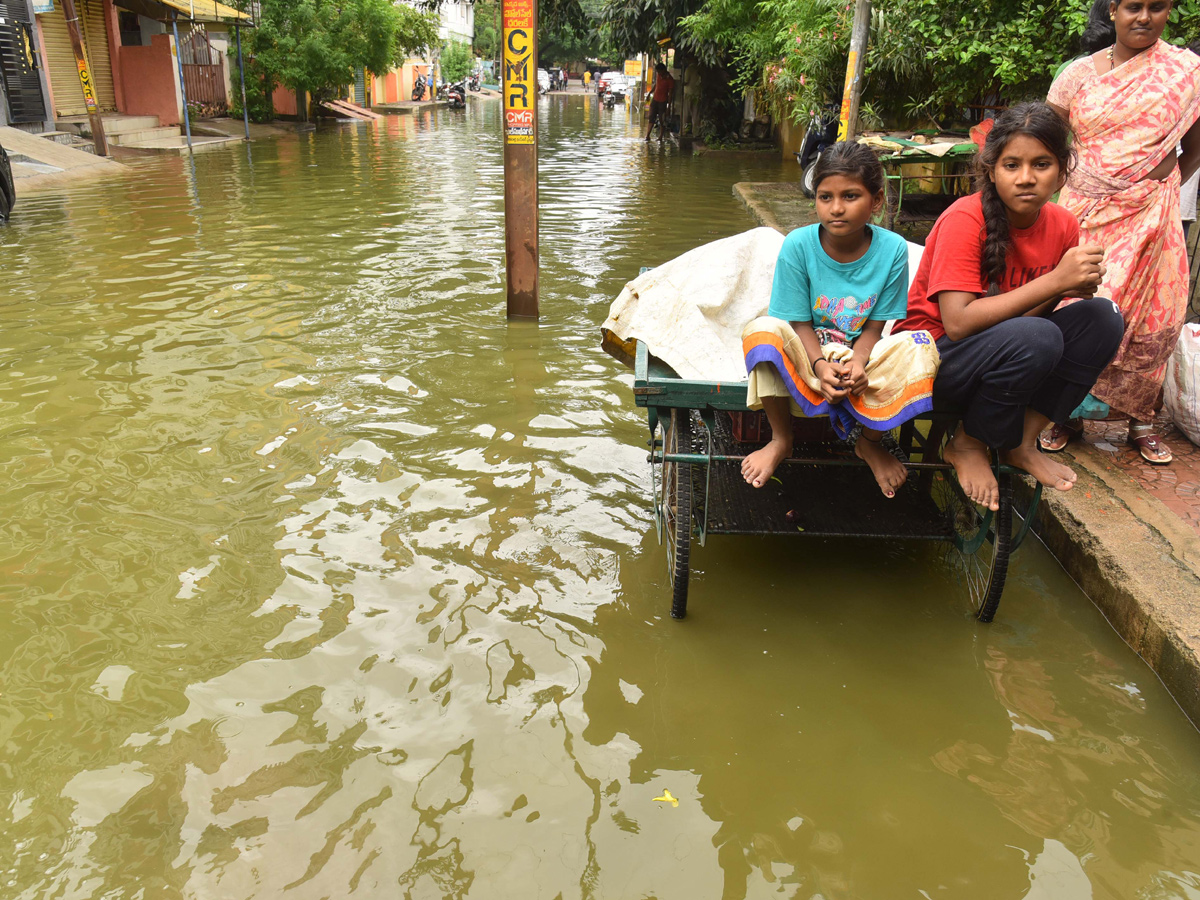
[[953, 258], [663, 85]]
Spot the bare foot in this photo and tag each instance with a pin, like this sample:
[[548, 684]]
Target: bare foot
[[759, 466], [969, 457], [1042, 467], [888, 471]]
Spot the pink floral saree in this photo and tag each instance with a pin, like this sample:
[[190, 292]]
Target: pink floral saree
[[1126, 122]]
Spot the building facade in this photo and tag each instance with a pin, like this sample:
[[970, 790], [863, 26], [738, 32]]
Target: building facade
[[24, 92]]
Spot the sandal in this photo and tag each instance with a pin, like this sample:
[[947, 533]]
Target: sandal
[[1150, 445], [1055, 438]]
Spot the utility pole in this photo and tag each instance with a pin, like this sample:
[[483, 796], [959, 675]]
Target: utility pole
[[237, 30], [518, 86], [857, 61], [187, 117], [85, 78]]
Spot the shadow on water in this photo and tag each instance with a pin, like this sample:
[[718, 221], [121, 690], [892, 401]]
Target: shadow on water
[[321, 579]]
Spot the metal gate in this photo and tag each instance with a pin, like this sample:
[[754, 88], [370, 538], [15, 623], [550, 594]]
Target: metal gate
[[203, 75], [19, 64]]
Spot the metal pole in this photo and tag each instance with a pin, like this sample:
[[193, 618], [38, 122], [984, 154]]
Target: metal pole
[[187, 118], [519, 88], [85, 78], [237, 30], [857, 61]]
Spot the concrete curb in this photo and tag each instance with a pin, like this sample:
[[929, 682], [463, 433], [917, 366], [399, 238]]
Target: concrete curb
[[1136, 560]]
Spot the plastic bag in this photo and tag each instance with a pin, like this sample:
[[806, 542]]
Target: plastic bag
[[1181, 391]]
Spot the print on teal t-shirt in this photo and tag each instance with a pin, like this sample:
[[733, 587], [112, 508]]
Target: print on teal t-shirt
[[838, 299]]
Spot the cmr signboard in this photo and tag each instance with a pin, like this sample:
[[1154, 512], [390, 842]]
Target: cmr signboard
[[520, 72], [520, 95]]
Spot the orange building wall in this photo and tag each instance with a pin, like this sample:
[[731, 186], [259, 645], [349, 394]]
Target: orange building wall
[[148, 74]]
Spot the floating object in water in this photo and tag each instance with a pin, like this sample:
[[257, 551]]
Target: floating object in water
[[666, 798]]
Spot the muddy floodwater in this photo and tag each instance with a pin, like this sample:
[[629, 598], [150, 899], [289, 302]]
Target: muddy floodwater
[[320, 580]]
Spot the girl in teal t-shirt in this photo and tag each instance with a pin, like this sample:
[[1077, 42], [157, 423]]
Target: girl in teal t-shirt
[[820, 349]]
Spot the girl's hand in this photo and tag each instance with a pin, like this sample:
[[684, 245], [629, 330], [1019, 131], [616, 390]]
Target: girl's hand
[[1081, 270], [856, 377], [833, 377]]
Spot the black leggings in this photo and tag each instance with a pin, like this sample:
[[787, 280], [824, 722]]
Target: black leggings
[[1047, 363]]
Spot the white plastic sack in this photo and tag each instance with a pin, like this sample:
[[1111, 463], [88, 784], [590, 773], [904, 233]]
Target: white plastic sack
[[1181, 391], [690, 311]]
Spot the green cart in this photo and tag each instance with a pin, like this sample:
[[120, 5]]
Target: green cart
[[698, 439]]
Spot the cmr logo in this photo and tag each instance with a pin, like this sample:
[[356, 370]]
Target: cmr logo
[[519, 118]]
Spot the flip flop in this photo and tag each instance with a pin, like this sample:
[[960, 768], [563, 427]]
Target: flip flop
[[1055, 438], [1150, 445]]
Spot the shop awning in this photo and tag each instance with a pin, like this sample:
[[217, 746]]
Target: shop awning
[[193, 10]]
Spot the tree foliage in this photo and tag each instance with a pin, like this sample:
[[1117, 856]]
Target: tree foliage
[[316, 45], [456, 61], [926, 58]]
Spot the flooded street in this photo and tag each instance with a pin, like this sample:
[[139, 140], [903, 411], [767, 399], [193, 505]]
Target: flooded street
[[321, 580]]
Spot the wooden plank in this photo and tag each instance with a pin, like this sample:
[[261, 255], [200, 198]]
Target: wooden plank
[[350, 109]]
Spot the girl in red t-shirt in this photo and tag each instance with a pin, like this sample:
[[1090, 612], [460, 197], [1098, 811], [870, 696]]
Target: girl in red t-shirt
[[989, 289]]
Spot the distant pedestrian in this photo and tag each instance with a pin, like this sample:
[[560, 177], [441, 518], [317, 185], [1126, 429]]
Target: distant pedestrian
[[587, 81], [660, 100]]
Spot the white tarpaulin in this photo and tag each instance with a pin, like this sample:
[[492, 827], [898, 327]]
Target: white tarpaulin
[[690, 311]]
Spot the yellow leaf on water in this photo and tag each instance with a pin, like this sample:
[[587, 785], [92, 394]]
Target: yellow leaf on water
[[776, 480], [667, 798]]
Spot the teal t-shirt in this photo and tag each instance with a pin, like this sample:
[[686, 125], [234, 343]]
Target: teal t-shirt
[[839, 298]]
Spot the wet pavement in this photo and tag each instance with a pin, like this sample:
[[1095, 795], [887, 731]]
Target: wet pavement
[[1177, 485]]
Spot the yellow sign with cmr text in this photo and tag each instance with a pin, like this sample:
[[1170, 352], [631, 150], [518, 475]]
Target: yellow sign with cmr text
[[519, 83]]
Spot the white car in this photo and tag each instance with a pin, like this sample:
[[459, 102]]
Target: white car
[[543, 81]]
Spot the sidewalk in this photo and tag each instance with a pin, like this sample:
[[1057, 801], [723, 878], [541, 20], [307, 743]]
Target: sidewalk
[[1128, 533], [39, 162]]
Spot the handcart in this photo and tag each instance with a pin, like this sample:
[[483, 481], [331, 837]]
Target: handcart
[[700, 431]]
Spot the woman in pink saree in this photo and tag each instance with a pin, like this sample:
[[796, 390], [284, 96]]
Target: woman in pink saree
[[1130, 106]]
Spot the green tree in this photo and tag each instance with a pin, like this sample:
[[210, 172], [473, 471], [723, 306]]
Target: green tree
[[925, 58], [456, 61], [316, 45], [487, 40]]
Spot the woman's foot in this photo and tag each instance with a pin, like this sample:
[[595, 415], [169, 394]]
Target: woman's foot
[[1144, 436], [888, 471], [969, 457], [1055, 438], [1050, 473], [759, 466]]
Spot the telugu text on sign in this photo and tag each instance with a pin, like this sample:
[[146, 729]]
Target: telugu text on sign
[[519, 78]]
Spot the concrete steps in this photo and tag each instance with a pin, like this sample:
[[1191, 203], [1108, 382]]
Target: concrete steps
[[177, 143], [69, 139]]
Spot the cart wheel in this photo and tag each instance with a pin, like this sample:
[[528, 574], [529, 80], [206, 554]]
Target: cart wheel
[[981, 540], [677, 509]]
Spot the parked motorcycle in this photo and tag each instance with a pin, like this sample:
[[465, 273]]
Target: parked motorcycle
[[821, 135], [418, 91], [454, 94], [8, 194], [473, 82]]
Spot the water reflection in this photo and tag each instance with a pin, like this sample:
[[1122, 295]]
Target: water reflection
[[321, 579]]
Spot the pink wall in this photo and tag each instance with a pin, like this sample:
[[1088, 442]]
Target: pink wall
[[114, 55], [149, 76], [285, 102]]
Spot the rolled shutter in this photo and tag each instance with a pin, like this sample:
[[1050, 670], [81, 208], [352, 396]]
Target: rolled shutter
[[60, 57]]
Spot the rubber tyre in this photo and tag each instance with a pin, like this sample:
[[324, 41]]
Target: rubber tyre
[[809, 177], [677, 509]]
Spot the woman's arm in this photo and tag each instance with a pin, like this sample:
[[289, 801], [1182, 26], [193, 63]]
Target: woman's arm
[[1189, 161], [1079, 272]]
